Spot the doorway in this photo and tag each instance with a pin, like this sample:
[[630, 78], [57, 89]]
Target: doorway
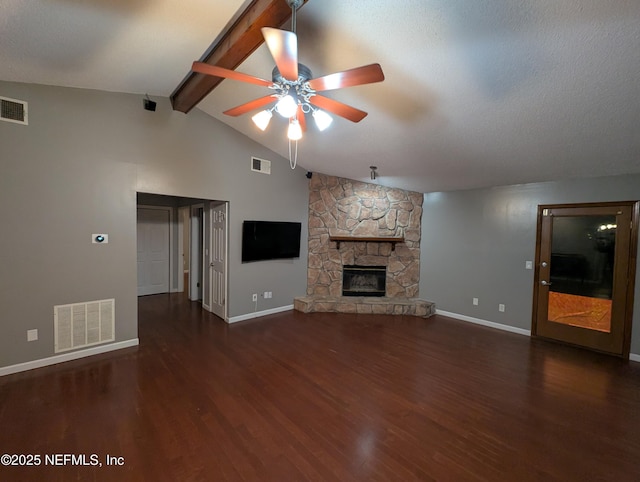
[[196, 252], [585, 275], [182, 246]]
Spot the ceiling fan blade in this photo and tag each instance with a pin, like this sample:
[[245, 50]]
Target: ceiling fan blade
[[338, 108], [283, 46], [367, 74], [216, 71], [301, 118], [249, 106]]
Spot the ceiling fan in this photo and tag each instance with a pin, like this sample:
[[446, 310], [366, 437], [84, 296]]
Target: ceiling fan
[[295, 91]]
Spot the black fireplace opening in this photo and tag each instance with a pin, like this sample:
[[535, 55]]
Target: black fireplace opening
[[364, 280]]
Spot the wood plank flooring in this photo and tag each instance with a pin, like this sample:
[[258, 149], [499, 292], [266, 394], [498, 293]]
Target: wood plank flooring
[[326, 397]]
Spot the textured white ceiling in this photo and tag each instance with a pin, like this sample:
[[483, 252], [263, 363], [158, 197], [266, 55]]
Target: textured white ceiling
[[476, 94]]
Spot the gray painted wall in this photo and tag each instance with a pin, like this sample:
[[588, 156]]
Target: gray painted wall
[[475, 244], [75, 170]]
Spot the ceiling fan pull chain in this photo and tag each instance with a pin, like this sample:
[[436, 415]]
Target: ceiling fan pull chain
[[293, 160]]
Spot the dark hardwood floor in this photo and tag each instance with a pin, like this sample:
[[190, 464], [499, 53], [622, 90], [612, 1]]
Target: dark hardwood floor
[[293, 397]]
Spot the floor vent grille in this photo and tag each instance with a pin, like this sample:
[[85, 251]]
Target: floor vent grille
[[12, 110], [83, 324]]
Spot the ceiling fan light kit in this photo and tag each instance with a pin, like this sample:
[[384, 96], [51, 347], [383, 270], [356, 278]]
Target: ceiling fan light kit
[[295, 89]]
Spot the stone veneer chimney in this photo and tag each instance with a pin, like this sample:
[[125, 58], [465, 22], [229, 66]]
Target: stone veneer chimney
[[343, 207]]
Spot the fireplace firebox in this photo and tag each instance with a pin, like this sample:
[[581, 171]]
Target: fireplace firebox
[[364, 280]]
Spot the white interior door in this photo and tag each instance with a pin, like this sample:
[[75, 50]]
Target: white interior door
[[214, 293], [218, 259], [153, 229]]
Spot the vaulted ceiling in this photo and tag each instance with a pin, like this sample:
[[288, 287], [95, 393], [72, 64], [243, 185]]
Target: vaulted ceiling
[[476, 94]]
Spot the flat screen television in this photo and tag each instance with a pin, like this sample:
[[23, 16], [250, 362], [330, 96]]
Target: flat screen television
[[263, 240]]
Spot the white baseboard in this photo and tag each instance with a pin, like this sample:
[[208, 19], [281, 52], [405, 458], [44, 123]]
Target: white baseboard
[[490, 324], [258, 314], [43, 362]]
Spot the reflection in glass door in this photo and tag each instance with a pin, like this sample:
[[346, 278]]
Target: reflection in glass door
[[582, 291], [582, 249]]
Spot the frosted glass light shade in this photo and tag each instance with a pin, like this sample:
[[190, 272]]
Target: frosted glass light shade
[[261, 119], [287, 106], [322, 119]]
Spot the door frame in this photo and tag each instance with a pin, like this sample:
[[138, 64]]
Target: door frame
[[184, 228], [631, 268], [195, 252], [206, 256]]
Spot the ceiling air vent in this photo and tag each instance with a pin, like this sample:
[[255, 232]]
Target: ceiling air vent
[[12, 110], [260, 165]]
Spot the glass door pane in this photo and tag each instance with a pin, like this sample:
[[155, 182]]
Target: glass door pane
[[581, 271]]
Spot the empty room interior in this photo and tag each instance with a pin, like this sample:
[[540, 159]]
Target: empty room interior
[[319, 240]]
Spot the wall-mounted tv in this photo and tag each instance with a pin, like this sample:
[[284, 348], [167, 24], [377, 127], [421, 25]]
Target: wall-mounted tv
[[262, 240]]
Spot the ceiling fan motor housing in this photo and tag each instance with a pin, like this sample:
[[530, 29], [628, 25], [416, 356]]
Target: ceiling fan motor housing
[[304, 74]]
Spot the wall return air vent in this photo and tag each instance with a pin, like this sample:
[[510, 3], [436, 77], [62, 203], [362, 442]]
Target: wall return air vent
[[13, 110], [260, 165], [83, 324]]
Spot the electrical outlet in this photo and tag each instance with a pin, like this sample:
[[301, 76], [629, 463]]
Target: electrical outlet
[[269, 294], [254, 297], [475, 302], [32, 335], [501, 307], [265, 295]]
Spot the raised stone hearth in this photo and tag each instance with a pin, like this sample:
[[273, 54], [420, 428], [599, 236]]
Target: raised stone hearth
[[365, 305]]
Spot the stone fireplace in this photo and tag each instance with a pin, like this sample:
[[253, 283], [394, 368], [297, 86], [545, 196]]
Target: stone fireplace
[[353, 223]]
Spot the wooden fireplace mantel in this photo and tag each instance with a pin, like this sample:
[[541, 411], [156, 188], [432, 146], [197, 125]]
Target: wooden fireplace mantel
[[367, 239]]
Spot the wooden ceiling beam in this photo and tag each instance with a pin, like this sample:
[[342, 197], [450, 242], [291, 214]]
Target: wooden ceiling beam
[[232, 47]]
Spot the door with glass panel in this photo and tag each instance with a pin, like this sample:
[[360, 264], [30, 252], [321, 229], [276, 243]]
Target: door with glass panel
[[585, 273]]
